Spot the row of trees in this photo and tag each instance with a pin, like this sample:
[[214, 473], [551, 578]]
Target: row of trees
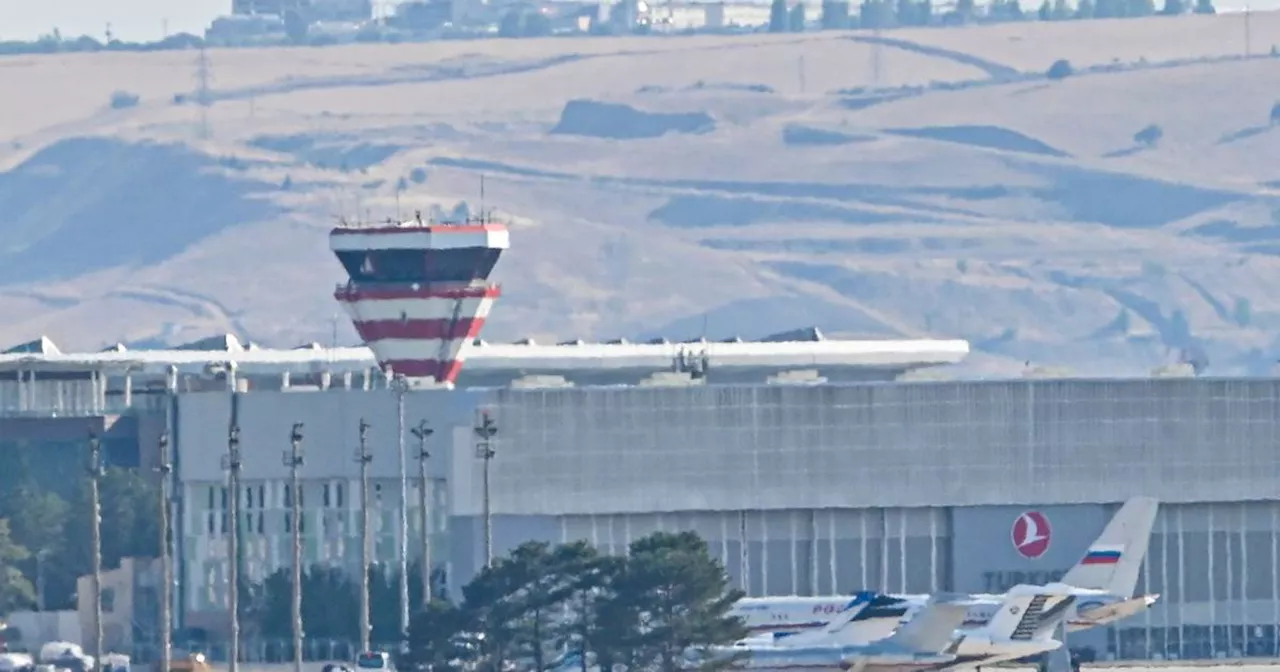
[[645, 610], [668, 595], [44, 518], [786, 16]]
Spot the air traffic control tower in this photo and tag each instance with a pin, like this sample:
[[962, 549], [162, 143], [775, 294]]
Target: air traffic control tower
[[418, 293]]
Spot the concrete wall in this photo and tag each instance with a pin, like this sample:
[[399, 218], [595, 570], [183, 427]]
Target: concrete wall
[[38, 627], [118, 608]]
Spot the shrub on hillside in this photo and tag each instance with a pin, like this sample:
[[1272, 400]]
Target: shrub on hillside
[[1149, 136], [1061, 69], [123, 99]]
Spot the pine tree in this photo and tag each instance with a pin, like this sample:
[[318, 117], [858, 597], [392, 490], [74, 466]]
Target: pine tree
[[1139, 8], [924, 13], [681, 594], [435, 636], [906, 13], [796, 19], [16, 591], [778, 16]]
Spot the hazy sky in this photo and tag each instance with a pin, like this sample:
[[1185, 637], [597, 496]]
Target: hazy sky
[[131, 20]]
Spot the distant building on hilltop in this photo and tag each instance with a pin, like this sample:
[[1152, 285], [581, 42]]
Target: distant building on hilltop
[[269, 7], [313, 10]]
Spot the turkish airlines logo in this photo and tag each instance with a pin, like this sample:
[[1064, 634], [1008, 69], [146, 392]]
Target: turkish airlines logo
[[1031, 534]]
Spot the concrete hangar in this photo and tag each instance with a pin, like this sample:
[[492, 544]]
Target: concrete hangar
[[804, 464]]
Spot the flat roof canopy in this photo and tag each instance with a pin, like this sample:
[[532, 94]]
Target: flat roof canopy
[[521, 358]]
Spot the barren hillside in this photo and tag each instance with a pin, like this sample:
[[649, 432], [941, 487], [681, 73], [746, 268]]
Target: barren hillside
[[741, 185]]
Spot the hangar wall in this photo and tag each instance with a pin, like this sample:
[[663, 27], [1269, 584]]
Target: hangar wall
[[956, 461], [884, 445]]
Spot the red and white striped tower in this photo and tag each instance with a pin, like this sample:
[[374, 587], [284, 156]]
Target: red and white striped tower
[[419, 293]]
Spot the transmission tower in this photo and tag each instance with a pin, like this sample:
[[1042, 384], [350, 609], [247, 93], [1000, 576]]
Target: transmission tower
[[203, 97]]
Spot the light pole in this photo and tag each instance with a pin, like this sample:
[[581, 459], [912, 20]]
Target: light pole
[[402, 384], [364, 458], [40, 558], [165, 466], [293, 459], [422, 432], [231, 462], [485, 430], [95, 525]]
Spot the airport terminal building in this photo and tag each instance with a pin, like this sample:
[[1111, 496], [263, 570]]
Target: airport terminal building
[[809, 468]]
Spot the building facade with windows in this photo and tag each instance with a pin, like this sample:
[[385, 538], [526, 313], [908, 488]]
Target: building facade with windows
[[799, 489], [806, 467]]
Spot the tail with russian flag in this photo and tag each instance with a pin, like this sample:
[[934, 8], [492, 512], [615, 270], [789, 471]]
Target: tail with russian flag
[[1114, 560]]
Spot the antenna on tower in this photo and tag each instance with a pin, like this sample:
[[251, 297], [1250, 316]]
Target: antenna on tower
[[483, 215], [203, 98]]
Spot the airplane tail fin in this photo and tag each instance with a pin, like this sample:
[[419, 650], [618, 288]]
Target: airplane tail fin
[[840, 624], [1027, 610], [1113, 561], [933, 628]]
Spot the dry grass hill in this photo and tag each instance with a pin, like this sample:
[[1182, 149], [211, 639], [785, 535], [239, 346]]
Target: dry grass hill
[[737, 185]]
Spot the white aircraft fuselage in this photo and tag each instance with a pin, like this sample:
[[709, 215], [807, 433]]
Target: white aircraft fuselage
[[765, 615]]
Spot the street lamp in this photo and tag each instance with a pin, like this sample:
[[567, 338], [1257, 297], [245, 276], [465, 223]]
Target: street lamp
[[95, 470], [364, 458], [402, 385], [293, 459], [422, 432], [231, 462], [485, 430], [164, 466]]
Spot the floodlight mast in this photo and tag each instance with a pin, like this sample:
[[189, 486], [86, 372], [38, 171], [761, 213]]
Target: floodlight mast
[[293, 458], [422, 432], [363, 457], [486, 428], [95, 470], [164, 466]]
